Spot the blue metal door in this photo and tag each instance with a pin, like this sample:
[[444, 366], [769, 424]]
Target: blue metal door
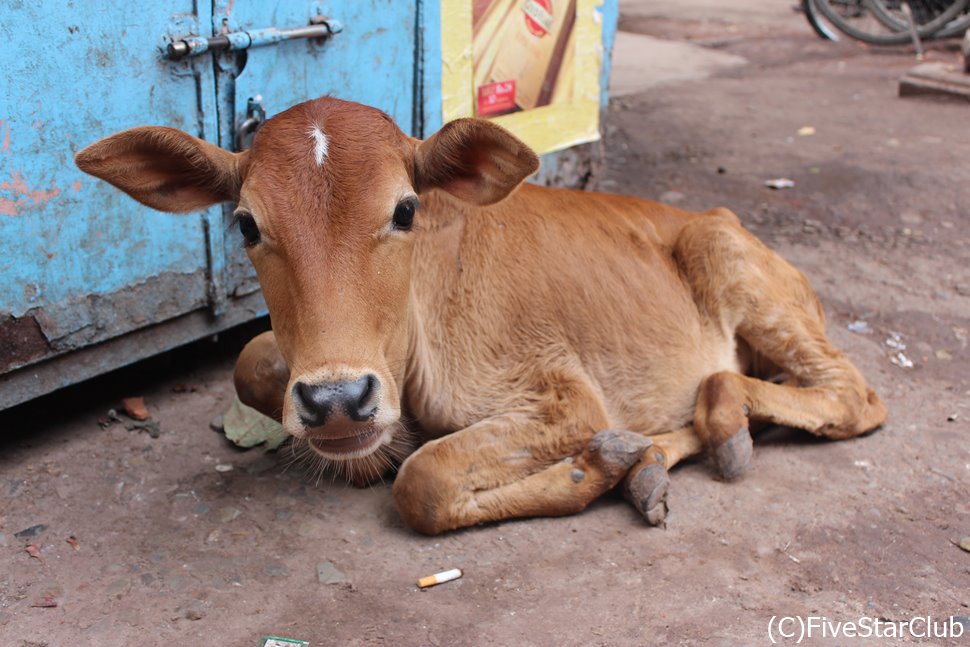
[[79, 262], [91, 280]]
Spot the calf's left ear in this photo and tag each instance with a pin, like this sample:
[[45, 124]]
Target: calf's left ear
[[474, 160], [165, 168]]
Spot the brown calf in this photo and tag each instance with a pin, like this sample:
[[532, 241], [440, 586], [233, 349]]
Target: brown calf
[[540, 345]]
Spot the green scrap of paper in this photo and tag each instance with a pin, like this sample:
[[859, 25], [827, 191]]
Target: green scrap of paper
[[247, 427], [276, 641]]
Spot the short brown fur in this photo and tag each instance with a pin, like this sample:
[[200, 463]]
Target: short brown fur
[[515, 329]]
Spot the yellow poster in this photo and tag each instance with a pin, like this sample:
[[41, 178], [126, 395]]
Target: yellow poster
[[532, 66]]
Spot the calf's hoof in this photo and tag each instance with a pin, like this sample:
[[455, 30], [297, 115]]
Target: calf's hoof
[[646, 488], [617, 450], [731, 457]]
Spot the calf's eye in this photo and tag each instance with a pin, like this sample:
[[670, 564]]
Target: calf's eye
[[404, 215], [248, 228]]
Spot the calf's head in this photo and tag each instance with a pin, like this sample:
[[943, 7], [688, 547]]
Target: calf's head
[[328, 208]]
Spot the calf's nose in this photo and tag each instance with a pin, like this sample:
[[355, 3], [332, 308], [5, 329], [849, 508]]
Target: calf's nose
[[317, 402]]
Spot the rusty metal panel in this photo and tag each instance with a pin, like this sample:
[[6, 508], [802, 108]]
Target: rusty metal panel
[[79, 262]]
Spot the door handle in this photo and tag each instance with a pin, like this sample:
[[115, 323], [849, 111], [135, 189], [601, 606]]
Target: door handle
[[320, 27]]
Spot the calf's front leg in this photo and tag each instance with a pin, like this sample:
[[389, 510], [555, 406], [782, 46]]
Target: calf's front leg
[[511, 466], [261, 376]]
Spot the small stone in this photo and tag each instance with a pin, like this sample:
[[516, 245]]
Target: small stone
[[860, 327], [327, 573], [810, 226], [943, 355], [200, 508], [194, 614], [276, 569], [952, 417], [216, 424], [224, 467], [33, 531], [965, 543], [577, 475], [671, 197], [228, 514], [3, 540]]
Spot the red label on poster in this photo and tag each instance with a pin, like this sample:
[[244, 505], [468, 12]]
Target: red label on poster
[[538, 16], [496, 97]]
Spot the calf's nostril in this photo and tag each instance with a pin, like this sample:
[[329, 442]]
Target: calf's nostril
[[359, 398], [316, 402]]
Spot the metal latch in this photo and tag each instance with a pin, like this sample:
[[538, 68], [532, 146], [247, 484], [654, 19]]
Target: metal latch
[[255, 116], [320, 27]]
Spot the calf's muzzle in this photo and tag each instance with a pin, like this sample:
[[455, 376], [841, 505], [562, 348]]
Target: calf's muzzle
[[320, 403]]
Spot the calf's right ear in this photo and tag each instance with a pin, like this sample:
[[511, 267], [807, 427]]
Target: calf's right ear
[[165, 168], [474, 160]]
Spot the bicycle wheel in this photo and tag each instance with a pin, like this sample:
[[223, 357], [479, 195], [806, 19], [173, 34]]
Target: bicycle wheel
[[819, 25], [862, 20], [930, 15], [955, 28]]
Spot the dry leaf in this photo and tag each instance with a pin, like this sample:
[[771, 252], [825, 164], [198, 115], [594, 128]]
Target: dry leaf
[[135, 408], [34, 551], [72, 540]]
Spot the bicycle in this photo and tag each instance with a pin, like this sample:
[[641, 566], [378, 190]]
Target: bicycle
[[885, 22]]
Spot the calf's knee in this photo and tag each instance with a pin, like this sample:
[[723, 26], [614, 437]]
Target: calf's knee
[[422, 493], [261, 376]]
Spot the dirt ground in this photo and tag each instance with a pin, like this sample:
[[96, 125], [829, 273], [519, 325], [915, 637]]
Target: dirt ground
[[171, 549]]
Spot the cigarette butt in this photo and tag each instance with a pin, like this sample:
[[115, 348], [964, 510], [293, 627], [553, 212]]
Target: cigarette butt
[[439, 578]]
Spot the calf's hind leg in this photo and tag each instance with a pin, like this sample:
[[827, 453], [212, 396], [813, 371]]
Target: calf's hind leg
[[744, 288]]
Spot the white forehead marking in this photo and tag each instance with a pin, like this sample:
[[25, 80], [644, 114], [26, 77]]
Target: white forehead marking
[[320, 145]]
